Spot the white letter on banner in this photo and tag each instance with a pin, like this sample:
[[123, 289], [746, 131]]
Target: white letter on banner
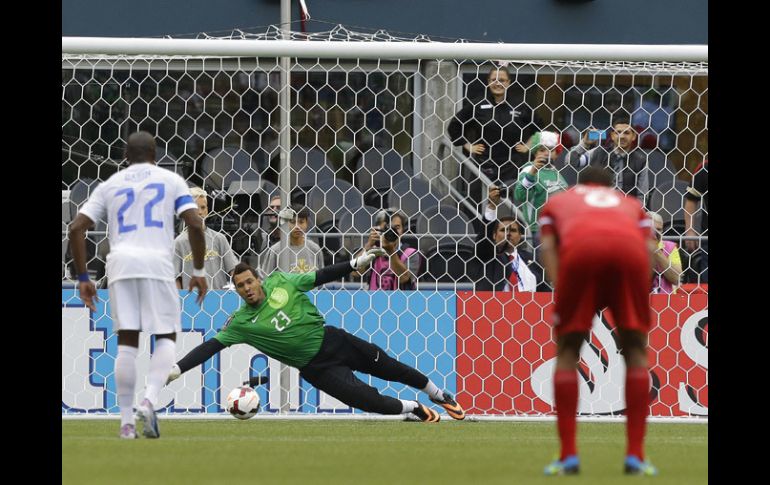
[[329, 403], [234, 365], [187, 391], [699, 353], [76, 342], [607, 394]]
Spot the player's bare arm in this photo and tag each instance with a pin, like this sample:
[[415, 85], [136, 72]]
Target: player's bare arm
[[550, 256], [652, 248], [77, 236], [198, 245]]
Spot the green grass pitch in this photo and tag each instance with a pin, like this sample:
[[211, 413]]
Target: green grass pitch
[[369, 452]]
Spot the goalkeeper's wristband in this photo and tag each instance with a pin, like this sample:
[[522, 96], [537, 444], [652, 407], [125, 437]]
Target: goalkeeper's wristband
[[83, 277], [199, 273]]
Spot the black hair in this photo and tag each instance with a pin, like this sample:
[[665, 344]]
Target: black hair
[[140, 147], [596, 175], [243, 267]]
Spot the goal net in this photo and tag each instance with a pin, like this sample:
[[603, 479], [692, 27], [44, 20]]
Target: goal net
[[345, 124]]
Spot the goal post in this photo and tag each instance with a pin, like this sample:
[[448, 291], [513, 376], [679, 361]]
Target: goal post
[[365, 119]]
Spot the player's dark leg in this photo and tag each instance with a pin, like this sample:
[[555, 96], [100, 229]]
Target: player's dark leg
[[366, 357], [634, 345], [565, 387], [339, 382], [631, 308], [125, 380]]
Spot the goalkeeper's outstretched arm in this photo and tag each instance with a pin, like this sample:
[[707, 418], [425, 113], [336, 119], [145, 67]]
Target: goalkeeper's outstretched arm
[[195, 357], [340, 270]]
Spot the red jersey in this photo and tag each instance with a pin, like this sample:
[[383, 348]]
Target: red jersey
[[592, 211], [603, 257]]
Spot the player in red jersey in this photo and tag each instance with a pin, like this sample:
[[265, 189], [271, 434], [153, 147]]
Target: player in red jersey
[[596, 247]]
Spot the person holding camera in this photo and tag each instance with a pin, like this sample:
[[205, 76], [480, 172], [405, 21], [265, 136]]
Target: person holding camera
[[398, 269], [623, 157], [538, 179]]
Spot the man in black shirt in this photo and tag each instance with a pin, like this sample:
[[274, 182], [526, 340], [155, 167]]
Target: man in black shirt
[[493, 130]]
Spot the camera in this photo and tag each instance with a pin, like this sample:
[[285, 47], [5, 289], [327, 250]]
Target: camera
[[596, 135], [382, 218], [503, 192], [389, 234]]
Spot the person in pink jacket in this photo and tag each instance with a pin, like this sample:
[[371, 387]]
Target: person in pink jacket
[[668, 263]]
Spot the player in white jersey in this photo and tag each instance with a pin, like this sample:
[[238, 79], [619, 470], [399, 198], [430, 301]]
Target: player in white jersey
[[139, 204]]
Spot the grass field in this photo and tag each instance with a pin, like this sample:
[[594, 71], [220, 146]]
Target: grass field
[[369, 452]]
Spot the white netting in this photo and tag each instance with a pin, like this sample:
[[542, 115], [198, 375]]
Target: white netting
[[374, 133]]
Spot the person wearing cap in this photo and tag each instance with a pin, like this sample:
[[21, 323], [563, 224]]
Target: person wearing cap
[[219, 260], [538, 179], [623, 157], [295, 254]]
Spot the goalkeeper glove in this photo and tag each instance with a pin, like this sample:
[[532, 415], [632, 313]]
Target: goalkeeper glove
[[174, 374], [362, 262], [287, 214]]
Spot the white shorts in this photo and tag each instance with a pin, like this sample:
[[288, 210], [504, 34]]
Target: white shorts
[[148, 305]]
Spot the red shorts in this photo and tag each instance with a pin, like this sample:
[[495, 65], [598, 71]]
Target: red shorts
[[599, 274]]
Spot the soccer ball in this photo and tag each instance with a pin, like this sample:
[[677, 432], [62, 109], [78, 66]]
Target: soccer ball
[[243, 402]]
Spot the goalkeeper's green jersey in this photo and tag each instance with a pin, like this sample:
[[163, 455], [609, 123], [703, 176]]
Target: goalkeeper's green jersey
[[285, 326]]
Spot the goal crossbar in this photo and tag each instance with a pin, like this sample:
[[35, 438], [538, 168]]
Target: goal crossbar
[[379, 49]]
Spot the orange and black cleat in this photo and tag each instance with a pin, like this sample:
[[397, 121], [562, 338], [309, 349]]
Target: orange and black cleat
[[426, 414], [452, 408]]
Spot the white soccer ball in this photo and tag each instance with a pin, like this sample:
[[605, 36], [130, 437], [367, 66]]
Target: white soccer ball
[[243, 402]]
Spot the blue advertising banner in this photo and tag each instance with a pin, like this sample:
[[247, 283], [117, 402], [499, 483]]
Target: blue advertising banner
[[417, 328]]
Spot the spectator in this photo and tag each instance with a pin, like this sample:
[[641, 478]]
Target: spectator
[[627, 162], [492, 131], [399, 269], [272, 234], [539, 179], [667, 263], [248, 238], [219, 260], [300, 255], [501, 264], [653, 121], [698, 191]]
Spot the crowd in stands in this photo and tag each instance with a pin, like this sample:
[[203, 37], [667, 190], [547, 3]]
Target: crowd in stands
[[522, 159]]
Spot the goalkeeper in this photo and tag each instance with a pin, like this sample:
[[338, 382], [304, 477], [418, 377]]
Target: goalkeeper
[[278, 318]]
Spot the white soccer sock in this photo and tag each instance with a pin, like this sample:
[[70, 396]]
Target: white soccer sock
[[432, 391], [125, 380], [408, 406], [160, 365]]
